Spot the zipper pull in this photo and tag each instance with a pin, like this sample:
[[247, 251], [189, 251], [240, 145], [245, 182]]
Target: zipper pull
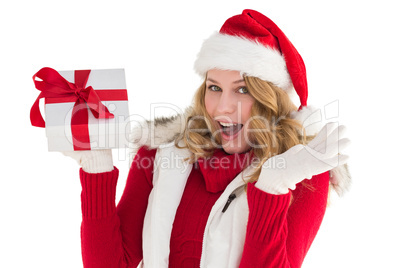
[[230, 199]]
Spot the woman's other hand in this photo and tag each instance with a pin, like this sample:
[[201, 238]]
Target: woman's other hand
[[282, 172]]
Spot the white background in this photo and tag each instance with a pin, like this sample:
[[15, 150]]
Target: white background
[[352, 51]]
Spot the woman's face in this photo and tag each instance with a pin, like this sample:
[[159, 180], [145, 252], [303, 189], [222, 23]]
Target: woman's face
[[228, 103]]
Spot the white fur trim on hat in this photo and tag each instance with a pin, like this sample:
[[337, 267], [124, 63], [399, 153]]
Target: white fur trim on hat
[[227, 52], [311, 119]]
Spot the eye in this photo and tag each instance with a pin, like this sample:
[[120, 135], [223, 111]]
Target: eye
[[243, 90], [214, 88]]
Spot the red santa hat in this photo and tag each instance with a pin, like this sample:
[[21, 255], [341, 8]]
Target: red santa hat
[[254, 45]]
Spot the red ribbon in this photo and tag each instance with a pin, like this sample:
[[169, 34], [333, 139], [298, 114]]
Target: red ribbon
[[53, 85]]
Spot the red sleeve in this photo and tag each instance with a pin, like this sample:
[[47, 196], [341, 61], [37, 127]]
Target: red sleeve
[[279, 234], [110, 236]]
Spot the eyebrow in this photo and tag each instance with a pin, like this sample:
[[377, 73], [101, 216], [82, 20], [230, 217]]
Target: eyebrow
[[216, 82]]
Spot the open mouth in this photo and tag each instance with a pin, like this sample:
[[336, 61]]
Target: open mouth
[[230, 129]]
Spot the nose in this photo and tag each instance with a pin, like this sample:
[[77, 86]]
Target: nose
[[227, 103]]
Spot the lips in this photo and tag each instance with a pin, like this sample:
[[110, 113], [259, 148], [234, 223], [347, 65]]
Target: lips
[[230, 129]]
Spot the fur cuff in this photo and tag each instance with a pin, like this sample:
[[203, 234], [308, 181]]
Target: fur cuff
[[340, 179], [154, 133]]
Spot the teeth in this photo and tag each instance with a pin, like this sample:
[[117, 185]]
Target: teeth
[[227, 124]]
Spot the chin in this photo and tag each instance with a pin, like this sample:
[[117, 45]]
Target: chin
[[234, 150]]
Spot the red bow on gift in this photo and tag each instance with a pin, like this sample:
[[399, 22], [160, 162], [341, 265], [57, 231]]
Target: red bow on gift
[[53, 85]]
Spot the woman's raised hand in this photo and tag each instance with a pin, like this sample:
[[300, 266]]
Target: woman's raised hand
[[282, 172]]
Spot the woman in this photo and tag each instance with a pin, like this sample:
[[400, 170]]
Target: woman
[[229, 190]]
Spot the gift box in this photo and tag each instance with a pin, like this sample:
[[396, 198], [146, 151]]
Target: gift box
[[84, 109]]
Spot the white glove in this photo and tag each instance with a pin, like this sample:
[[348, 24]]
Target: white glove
[[96, 161], [282, 172]]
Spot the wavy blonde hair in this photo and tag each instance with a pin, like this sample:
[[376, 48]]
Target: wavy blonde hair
[[270, 113]]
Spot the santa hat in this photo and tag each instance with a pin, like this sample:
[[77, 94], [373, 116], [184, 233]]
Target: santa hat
[[254, 45]]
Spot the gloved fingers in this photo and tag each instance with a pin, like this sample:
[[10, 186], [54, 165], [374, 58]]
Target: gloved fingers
[[314, 158], [318, 166], [342, 129], [76, 155], [293, 150], [337, 134], [84, 156], [343, 144], [333, 137], [322, 134], [337, 160], [333, 147]]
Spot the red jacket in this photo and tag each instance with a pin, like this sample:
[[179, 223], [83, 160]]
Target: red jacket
[[278, 234]]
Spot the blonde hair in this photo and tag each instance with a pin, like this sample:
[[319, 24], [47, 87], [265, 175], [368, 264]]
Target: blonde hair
[[270, 113]]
